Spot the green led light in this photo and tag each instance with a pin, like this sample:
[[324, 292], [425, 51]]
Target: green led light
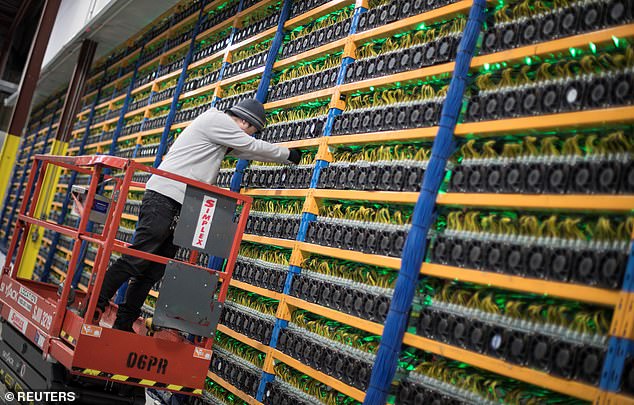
[[371, 88], [593, 47], [487, 66], [615, 40], [573, 52], [528, 60], [421, 26]]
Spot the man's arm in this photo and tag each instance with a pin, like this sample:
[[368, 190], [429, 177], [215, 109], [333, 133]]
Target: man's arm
[[245, 146]]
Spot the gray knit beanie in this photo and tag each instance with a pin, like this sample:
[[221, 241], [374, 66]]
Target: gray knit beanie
[[250, 110]]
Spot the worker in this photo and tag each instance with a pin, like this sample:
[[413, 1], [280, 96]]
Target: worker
[[196, 154]]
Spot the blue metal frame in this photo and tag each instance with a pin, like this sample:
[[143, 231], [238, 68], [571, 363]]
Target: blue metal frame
[[385, 364], [179, 87]]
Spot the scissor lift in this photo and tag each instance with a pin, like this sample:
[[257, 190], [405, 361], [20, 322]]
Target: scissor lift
[[174, 358]]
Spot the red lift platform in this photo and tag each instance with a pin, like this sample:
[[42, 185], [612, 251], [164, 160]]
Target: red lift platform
[[65, 333]]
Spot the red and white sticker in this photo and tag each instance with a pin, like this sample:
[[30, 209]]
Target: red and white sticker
[[202, 353], [204, 222], [91, 330], [18, 321], [25, 304], [28, 294]]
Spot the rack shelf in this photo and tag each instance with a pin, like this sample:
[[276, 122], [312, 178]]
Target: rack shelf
[[358, 323], [287, 102], [275, 192], [385, 196], [318, 375], [258, 290], [238, 336], [269, 241], [242, 76], [570, 291], [310, 54], [316, 13], [609, 116], [613, 203], [568, 387], [376, 260]]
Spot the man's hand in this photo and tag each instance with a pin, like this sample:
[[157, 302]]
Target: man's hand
[[295, 156]]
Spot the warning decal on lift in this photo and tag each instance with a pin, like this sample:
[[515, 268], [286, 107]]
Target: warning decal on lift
[[91, 330], [18, 321], [202, 353], [147, 383], [204, 222]]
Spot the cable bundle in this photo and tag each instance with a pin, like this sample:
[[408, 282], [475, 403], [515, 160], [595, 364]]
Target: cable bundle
[[131, 126], [157, 119], [580, 249], [180, 35], [531, 21], [275, 218], [301, 122], [323, 30], [173, 62], [575, 81], [192, 107], [310, 386], [146, 75], [218, 394], [274, 175], [139, 100], [592, 162], [398, 167], [211, 44], [262, 266], [237, 92], [149, 145], [248, 58], [306, 77], [122, 87], [338, 350], [203, 75], [264, 305], [383, 12], [258, 20], [407, 51], [393, 108], [434, 378], [372, 276], [126, 148], [240, 349]]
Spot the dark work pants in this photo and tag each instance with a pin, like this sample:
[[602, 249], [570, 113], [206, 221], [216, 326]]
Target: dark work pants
[[154, 234]]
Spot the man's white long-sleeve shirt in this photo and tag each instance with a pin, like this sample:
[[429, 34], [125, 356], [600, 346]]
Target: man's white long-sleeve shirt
[[199, 150]]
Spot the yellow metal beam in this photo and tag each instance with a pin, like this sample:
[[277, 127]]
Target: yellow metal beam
[[42, 208], [8, 155]]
